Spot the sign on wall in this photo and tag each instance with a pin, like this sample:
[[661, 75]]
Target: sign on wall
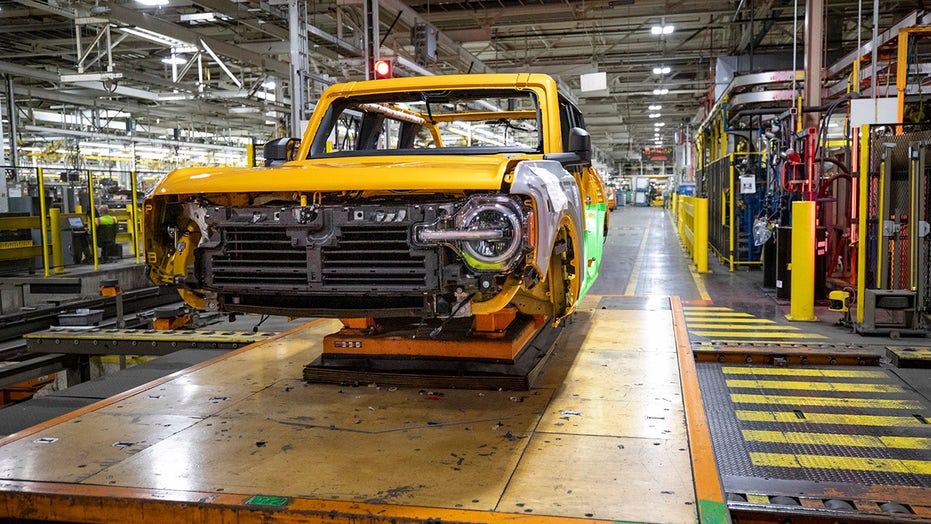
[[656, 154]]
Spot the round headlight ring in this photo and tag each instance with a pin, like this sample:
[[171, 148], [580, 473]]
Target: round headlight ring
[[498, 217]]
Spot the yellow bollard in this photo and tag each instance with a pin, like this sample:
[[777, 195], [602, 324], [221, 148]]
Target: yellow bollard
[[58, 263], [802, 301], [700, 251]]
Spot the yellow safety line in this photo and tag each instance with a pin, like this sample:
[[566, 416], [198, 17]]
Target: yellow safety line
[[828, 418], [792, 400], [634, 271], [699, 283], [768, 327], [759, 335], [802, 372], [689, 309], [918, 467], [715, 314], [828, 439], [813, 386], [726, 321]]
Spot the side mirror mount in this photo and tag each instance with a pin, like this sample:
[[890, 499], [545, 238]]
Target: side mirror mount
[[580, 143], [281, 150], [580, 149]]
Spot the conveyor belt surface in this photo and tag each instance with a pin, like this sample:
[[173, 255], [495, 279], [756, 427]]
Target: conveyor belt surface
[[601, 436]]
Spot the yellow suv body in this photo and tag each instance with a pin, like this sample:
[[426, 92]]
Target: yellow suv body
[[427, 197]]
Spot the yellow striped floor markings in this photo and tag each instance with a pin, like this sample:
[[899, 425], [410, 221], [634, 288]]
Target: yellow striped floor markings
[[785, 460], [725, 324], [782, 410]]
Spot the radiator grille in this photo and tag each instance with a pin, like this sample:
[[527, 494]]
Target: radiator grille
[[370, 257], [364, 258], [259, 257]]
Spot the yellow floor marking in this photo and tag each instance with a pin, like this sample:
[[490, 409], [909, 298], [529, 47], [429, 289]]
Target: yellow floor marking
[[722, 314], [727, 321], [757, 499], [918, 467], [689, 309], [803, 372], [828, 418], [813, 386], [791, 400], [758, 335], [699, 283], [635, 271], [767, 327], [860, 441]]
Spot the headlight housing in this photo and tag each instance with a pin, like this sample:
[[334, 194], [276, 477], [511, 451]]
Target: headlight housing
[[488, 232]]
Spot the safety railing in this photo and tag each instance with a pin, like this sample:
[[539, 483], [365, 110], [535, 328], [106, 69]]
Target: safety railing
[[733, 208], [692, 218], [21, 243]]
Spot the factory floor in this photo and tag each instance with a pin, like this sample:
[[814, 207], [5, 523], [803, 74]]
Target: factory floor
[[669, 396]]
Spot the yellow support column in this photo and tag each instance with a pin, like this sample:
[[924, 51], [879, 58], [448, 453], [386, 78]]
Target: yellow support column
[[43, 220], [134, 216], [862, 219], [802, 303], [58, 263], [700, 250]]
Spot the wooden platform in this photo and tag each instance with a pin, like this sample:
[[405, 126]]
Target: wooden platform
[[600, 437]]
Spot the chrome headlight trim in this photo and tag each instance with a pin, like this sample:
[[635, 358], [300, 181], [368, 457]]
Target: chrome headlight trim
[[487, 219], [489, 232]]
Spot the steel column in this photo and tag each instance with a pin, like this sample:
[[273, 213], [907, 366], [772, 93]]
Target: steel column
[[814, 37]]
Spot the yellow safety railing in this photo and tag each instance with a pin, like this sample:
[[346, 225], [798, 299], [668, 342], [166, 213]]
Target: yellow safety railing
[[692, 219]]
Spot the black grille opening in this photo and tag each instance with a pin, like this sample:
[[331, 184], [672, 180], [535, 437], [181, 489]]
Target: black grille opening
[[259, 256], [372, 256]]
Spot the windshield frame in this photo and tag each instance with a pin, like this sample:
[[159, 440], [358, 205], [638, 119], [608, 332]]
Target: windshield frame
[[428, 121]]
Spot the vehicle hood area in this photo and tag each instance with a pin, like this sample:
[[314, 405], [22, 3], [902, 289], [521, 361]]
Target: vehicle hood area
[[377, 173]]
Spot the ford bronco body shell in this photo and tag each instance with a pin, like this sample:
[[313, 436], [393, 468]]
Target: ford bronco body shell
[[423, 197]]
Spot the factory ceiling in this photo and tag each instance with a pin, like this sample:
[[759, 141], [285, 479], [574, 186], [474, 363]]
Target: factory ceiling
[[214, 70]]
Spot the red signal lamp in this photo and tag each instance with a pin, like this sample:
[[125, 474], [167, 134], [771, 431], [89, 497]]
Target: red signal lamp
[[382, 69]]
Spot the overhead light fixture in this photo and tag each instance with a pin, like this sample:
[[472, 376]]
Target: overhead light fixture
[[659, 124], [156, 37], [655, 115], [153, 3], [660, 91], [655, 107], [269, 84], [662, 29], [174, 60], [662, 70]]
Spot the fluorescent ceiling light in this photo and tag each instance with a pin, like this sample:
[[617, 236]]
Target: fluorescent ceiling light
[[153, 36], [655, 115], [662, 29], [660, 91], [655, 107], [174, 60], [270, 84], [659, 124], [153, 3], [662, 70]]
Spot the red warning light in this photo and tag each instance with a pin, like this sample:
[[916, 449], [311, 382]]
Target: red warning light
[[382, 69]]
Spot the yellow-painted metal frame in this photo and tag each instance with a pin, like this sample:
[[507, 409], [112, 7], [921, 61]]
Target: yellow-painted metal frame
[[692, 220], [730, 216], [43, 221], [861, 220], [901, 72]]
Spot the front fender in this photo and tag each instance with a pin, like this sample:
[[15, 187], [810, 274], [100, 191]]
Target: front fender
[[555, 194]]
